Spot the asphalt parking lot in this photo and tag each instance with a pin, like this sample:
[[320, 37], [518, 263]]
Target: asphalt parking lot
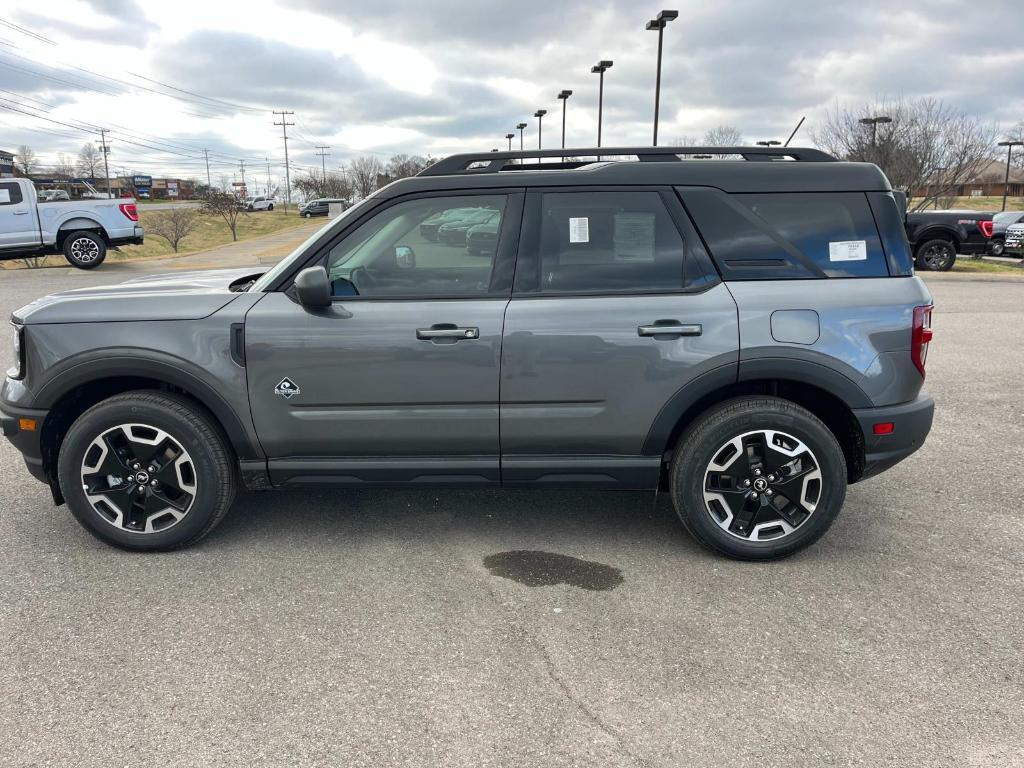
[[392, 628]]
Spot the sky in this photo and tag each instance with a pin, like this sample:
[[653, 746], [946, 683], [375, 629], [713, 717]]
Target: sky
[[381, 77]]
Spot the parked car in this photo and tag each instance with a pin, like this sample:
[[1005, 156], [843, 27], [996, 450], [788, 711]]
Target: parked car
[[320, 207], [936, 237], [749, 336], [259, 204], [1000, 223], [80, 229], [482, 239], [1014, 240], [454, 232], [430, 227], [52, 195]]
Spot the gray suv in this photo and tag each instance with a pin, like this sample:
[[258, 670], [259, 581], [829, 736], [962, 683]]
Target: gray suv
[[747, 334]]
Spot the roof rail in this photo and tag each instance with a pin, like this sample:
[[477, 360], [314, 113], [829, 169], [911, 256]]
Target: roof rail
[[493, 162]]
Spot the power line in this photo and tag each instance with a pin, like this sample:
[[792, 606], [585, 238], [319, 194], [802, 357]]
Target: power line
[[321, 149], [29, 32]]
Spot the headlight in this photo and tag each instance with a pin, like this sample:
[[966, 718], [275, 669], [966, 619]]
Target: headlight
[[17, 370]]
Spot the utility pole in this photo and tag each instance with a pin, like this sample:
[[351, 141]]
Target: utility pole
[[287, 175], [106, 151], [268, 174], [241, 169], [321, 149], [209, 184]]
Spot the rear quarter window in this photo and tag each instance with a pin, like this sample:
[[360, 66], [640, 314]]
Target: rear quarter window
[[788, 235]]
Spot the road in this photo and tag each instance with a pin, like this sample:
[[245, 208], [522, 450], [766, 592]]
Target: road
[[392, 628]]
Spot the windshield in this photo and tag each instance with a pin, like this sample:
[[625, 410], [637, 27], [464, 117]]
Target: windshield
[[300, 253]]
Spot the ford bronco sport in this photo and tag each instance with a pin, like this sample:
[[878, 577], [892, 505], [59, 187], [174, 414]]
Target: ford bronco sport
[[745, 333]]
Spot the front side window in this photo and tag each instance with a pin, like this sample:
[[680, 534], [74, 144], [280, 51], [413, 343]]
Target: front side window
[[435, 246], [599, 242]]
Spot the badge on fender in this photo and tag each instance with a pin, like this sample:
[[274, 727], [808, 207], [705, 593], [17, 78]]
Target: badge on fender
[[286, 388]]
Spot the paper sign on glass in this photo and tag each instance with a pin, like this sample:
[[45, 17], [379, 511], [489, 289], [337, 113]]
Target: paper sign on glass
[[848, 250], [5, 195], [579, 230]]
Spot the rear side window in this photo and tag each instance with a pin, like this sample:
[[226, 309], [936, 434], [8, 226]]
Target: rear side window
[[789, 235], [602, 242], [10, 193]]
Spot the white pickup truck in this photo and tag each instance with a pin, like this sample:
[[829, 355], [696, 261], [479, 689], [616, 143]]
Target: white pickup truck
[[80, 229]]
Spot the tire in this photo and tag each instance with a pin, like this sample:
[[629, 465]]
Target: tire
[[270, 207], [193, 471], [85, 249], [997, 246], [307, 214], [937, 255], [754, 529]]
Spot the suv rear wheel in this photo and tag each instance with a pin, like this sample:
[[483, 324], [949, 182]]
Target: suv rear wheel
[[146, 471], [757, 478], [936, 255]]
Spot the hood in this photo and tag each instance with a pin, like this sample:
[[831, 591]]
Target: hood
[[182, 296]]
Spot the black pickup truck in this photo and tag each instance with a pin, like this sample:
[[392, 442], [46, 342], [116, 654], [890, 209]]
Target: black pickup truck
[[936, 237]]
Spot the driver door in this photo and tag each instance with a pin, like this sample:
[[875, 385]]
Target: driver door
[[396, 381]]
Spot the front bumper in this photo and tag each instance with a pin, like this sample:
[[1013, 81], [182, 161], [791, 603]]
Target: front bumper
[[27, 441], [911, 424]]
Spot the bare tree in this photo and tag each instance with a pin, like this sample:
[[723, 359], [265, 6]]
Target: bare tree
[[1017, 134], [64, 168], [174, 225], [723, 136], [363, 172], [929, 150], [314, 185], [403, 166], [686, 140], [225, 205], [90, 161], [27, 161]]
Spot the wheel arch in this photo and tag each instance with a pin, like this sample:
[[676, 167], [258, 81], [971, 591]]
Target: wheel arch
[[834, 410], [937, 232], [73, 392], [79, 224]]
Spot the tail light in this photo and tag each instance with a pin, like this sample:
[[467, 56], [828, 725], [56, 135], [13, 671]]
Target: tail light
[[921, 336], [129, 210], [986, 227]]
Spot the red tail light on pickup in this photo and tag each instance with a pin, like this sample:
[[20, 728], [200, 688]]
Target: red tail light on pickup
[[921, 336], [986, 227], [129, 210]]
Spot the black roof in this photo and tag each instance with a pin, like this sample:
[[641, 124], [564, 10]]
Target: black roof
[[754, 169]]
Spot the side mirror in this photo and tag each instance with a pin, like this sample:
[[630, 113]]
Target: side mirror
[[313, 287], [405, 257]]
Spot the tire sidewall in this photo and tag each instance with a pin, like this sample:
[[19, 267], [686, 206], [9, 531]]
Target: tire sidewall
[[90, 236], [107, 415], [699, 445], [945, 266], [997, 247]]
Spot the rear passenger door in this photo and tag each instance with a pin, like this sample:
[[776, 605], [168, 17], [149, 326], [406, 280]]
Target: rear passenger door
[[616, 311]]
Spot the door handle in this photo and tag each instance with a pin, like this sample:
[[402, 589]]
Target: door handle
[[20, 211], [670, 328], [446, 331]]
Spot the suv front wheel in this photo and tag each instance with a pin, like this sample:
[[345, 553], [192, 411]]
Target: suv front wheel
[[146, 471], [757, 478]]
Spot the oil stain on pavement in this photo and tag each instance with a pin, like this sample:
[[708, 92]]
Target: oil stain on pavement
[[546, 569]]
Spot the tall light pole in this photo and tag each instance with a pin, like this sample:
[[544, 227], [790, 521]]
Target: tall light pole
[[659, 24], [521, 127], [510, 136], [564, 96], [1009, 144], [539, 114], [873, 122], [599, 69]]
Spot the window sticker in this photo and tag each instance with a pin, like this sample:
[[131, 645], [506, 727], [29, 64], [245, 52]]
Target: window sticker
[[5, 196], [848, 250], [634, 236], [579, 230]]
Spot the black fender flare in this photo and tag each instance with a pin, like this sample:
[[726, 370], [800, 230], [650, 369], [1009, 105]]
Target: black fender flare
[[163, 368]]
